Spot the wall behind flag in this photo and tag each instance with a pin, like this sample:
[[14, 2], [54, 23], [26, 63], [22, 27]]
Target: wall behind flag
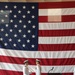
[[34, 0]]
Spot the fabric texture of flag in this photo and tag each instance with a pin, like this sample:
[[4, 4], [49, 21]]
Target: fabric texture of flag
[[44, 31]]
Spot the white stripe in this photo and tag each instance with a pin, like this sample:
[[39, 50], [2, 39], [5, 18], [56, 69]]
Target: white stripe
[[38, 54], [68, 11], [57, 40], [45, 69], [56, 26], [52, 12], [43, 12], [8, 66]]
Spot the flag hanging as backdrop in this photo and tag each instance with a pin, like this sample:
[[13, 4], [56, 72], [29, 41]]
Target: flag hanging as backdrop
[[37, 30]]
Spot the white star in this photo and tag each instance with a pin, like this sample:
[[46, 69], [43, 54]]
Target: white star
[[5, 44], [15, 16], [33, 46], [28, 41], [11, 21], [24, 35], [24, 7], [6, 34], [15, 35], [14, 45], [24, 26], [15, 7], [29, 21], [24, 16], [33, 26], [33, 7], [2, 29], [33, 16], [19, 40], [20, 30], [15, 25], [29, 31], [33, 36], [2, 20], [6, 6], [11, 30], [28, 12], [6, 15], [23, 45], [20, 21], [10, 11], [10, 39], [19, 11], [1, 39], [6, 25], [2, 11]]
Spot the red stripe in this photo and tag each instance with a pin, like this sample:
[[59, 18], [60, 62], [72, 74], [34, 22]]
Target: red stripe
[[64, 18], [7, 72], [56, 47], [57, 5], [16, 60], [68, 18], [43, 19], [51, 33]]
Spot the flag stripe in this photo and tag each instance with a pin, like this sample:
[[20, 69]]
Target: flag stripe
[[68, 18], [56, 47], [10, 72], [51, 33], [7, 72], [64, 18], [57, 5], [57, 40], [37, 54], [57, 26], [54, 12], [16, 60], [68, 11], [43, 19], [45, 69]]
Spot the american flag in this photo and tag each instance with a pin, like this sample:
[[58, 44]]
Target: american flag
[[44, 31]]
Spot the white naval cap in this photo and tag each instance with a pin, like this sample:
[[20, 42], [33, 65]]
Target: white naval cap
[[37, 60], [25, 61]]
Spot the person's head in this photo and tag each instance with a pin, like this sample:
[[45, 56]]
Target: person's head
[[37, 61], [26, 62]]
